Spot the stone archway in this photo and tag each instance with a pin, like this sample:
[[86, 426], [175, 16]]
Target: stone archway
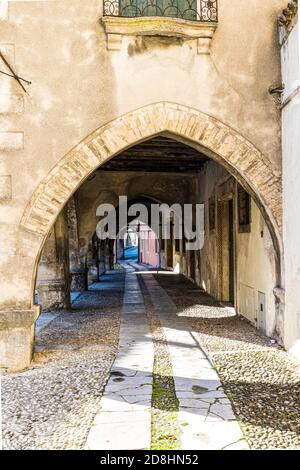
[[203, 132], [219, 141]]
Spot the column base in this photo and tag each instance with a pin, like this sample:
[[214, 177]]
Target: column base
[[17, 338], [54, 295], [92, 274], [101, 266], [107, 263], [78, 282]]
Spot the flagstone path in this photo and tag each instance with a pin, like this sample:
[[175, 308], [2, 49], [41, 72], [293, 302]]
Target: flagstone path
[[205, 417], [124, 421]]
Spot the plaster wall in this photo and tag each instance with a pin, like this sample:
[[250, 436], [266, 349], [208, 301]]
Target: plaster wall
[[291, 188], [254, 253], [148, 247], [78, 85]]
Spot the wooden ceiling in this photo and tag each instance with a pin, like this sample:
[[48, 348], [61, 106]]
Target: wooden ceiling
[[161, 155]]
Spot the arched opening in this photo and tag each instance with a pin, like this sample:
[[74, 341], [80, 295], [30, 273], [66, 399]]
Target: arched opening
[[197, 132], [238, 263], [98, 307]]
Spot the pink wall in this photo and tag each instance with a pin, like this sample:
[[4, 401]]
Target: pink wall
[[148, 246]]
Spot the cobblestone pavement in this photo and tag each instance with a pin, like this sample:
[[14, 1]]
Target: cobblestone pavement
[[261, 379], [52, 405], [56, 403]]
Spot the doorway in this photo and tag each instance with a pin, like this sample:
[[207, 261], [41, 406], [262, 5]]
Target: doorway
[[226, 250], [231, 251]]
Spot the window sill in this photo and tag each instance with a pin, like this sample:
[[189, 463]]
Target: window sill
[[117, 27]]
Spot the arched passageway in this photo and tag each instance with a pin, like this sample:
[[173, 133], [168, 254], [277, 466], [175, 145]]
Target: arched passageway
[[211, 137], [152, 327], [237, 262], [187, 126]]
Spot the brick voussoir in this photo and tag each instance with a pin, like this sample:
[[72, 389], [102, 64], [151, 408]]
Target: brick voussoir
[[141, 124]]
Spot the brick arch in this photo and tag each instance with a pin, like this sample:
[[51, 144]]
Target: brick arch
[[195, 128]]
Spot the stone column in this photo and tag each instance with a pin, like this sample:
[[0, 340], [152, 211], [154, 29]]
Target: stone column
[[101, 258], [17, 338], [111, 254], [107, 256], [53, 280], [77, 268], [92, 261], [120, 248]]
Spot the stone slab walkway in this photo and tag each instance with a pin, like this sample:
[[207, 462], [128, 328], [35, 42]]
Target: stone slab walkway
[[206, 418], [124, 418]]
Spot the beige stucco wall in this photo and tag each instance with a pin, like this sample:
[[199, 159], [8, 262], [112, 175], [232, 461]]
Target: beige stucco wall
[[255, 272], [254, 253], [78, 85]]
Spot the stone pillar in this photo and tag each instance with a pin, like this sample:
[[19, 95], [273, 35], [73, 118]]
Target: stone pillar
[[101, 258], [77, 268], [78, 280], [107, 256], [92, 261], [17, 338], [53, 280], [111, 254], [120, 248]]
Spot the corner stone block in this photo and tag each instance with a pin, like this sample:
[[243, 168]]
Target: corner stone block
[[17, 338]]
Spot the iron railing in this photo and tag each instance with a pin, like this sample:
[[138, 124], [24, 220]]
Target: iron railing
[[195, 10]]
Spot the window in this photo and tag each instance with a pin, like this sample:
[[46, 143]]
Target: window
[[195, 10], [244, 210], [195, 19]]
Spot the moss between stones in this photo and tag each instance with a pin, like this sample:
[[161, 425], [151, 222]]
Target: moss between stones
[[164, 424]]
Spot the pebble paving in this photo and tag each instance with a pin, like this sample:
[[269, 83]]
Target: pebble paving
[[146, 360], [52, 405], [260, 378]]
